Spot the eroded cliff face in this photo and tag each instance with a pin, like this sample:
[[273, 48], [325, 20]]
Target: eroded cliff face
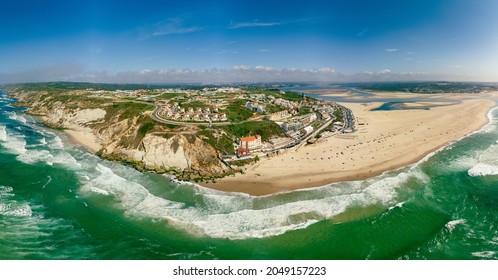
[[157, 149], [185, 155]]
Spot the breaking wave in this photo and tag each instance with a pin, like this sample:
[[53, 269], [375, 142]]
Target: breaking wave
[[239, 216], [10, 207], [14, 116], [487, 163], [48, 152], [3, 133], [451, 225], [483, 169]]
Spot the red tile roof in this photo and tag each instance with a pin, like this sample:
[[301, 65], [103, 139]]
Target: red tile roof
[[248, 138]]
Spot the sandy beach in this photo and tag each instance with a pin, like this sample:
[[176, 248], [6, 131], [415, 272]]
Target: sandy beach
[[86, 139], [388, 140]]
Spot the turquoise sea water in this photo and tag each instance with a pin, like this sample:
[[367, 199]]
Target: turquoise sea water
[[58, 201]]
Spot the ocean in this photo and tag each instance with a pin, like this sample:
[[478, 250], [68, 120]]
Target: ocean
[[58, 201]]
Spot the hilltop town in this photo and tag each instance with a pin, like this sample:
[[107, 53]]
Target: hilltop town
[[300, 119]]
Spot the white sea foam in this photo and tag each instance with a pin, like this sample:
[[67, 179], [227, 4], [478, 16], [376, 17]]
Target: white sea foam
[[462, 163], [11, 115], [235, 216], [99, 191], [3, 133], [56, 143], [15, 143], [30, 154], [483, 169], [10, 207], [33, 156], [490, 155], [21, 119], [484, 254], [6, 191], [490, 126], [14, 116], [487, 163], [22, 210], [48, 182], [66, 159], [397, 205], [451, 225]]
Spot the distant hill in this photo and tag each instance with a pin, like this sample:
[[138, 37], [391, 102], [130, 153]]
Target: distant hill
[[430, 87]]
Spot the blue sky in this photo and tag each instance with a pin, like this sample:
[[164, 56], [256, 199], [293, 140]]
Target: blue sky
[[248, 41]]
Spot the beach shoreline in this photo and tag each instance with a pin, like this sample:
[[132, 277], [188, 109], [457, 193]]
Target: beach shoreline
[[86, 139], [390, 140]]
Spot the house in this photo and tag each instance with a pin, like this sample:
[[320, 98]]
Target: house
[[167, 113], [325, 115], [277, 115], [292, 126], [251, 105], [260, 109], [307, 130], [243, 152], [251, 142]]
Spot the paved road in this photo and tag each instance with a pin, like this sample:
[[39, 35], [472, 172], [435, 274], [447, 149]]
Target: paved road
[[348, 119]]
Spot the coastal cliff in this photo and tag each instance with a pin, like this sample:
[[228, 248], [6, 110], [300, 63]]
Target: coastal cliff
[[125, 135]]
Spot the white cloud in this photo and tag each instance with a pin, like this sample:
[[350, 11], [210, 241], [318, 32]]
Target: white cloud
[[167, 27], [241, 67], [326, 70], [253, 24], [361, 33], [236, 74], [263, 68], [391, 50], [227, 52]]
